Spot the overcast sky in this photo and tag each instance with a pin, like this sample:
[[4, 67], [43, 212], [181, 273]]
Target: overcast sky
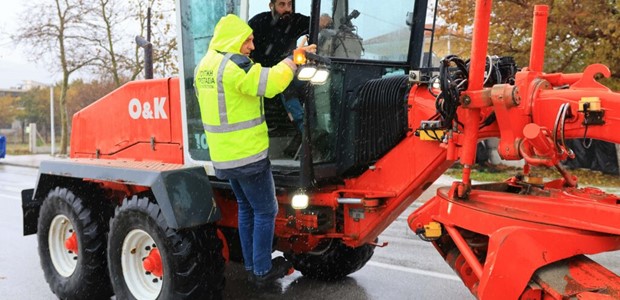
[[14, 66]]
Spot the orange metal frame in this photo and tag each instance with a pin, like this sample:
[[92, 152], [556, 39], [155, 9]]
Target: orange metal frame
[[532, 226], [498, 238]]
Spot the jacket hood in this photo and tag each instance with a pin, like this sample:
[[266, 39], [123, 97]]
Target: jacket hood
[[230, 33]]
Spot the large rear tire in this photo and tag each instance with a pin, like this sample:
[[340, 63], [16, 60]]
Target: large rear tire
[[149, 260], [72, 241], [333, 261]]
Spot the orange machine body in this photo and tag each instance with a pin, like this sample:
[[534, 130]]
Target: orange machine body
[[141, 121]]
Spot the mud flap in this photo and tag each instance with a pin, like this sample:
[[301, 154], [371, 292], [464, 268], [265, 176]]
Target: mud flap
[[30, 209]]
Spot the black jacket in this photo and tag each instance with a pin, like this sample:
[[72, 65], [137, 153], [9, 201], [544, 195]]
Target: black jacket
[[275, 40]]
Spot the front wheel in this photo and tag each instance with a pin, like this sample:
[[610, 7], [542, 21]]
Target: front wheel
[[334, 260], [149, 260]]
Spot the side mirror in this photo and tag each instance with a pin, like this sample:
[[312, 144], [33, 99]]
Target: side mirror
[[409, 18]]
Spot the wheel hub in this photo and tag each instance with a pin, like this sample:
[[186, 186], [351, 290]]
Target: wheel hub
[[71, 243], [152, 263], [63, 245], [142, 265]]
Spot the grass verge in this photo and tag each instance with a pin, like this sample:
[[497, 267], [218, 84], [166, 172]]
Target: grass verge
[[586, 177]]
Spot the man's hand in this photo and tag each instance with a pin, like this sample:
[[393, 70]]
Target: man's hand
[[308, 48]]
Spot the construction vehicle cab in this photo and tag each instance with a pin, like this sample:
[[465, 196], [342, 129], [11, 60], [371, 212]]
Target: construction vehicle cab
[[338, 140]]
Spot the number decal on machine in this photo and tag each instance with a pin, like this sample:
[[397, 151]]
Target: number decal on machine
[[201, 141]]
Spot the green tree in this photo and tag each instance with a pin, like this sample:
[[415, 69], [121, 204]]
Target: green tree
[[579, 33], [82, 94], [8, 111], [34, 107]]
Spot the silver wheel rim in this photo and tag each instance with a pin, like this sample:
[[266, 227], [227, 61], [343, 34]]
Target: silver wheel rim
[[64, 261], [142, 284]]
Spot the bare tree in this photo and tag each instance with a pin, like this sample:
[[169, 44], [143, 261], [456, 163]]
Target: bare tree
[[163, 37], [117, 23], [112, 16], [57, 32]]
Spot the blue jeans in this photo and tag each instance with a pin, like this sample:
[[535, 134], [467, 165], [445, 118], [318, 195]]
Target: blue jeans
[[258, 207]]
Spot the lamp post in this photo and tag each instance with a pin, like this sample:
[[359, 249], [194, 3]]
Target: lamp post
[[52, 118]]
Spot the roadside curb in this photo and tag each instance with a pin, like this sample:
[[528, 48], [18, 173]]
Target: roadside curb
[[28, 161], [18, 165]]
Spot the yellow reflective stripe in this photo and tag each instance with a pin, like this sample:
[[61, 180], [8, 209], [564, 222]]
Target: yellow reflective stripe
[[241, 162]]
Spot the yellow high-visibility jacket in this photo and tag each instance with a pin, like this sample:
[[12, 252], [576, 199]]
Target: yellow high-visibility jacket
[[230, 90]]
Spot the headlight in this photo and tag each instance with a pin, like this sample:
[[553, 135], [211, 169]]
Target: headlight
[[306, 72], [299, 201], [320, 76], [313, 68]]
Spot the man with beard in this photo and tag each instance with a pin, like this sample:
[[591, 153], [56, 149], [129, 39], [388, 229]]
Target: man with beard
[[276, 31], [275, 35]]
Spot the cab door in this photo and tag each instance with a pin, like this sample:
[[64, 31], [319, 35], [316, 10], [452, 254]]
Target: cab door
[[196, 20], [196, 23]]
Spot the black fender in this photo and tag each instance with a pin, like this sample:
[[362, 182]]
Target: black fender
[[183, 193]]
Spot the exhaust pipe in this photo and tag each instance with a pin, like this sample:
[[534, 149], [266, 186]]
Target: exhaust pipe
[[147, 46], [148, 56]]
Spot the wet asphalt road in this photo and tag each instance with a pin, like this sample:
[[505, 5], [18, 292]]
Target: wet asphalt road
[[407, 268]]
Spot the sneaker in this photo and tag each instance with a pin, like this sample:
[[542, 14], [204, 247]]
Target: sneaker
[[280, 267]]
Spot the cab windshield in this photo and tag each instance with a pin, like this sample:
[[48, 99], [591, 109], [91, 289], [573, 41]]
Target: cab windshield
[[365, 29]]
